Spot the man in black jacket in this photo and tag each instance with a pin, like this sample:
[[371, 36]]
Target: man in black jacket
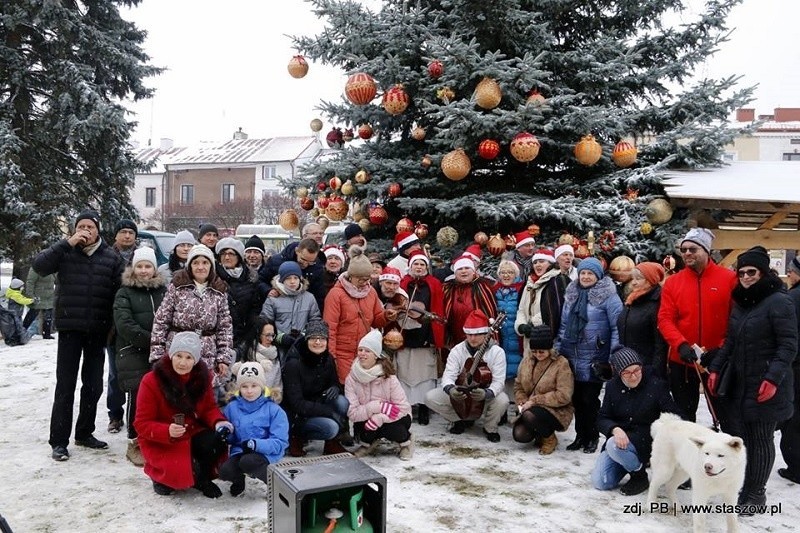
[[312, 263], [89, 273]]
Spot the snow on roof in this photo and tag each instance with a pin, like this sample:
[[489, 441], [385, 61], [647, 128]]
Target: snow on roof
[[244, 151], [158, 156], [757, 181]]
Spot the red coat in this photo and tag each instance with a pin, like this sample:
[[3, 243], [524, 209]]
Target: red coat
[[695, 309], [167, 460], [437, 304]]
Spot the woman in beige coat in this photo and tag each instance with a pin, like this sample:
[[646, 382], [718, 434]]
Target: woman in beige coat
[[543, 392]]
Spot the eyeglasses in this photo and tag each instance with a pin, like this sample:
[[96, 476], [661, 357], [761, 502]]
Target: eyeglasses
[[749, 272], [631, 373], [317, 339], [268, 335], [689, 249], [227, 253]]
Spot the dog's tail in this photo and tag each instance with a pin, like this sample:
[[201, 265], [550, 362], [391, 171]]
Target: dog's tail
[[665, 417]]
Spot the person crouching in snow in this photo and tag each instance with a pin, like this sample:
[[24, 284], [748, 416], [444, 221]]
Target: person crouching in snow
[[378, 406], [261, 429], [17, 301], [178, 421], [260, 348]]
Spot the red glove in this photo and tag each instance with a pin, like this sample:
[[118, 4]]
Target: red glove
[[766, 391], [371, 424], [389, 409], [711, 383]]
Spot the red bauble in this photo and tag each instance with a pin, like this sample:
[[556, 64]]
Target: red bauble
[[378, 215], [489, 149], [321, 185], [347, 135], [435, 68], [307, 203], [360, 88], [323, 202], [481, 238], [394, 190], [334, 138], [335, 183], [365, 131], [395, 100], [421, 230], [405, 224]]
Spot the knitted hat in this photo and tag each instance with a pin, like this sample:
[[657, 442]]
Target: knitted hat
[[352, 230], [463, 262], [523, 238], [184, 237], [794, 265], [623, 358], [592, 264], [89, 215], [476, 323], [390, 274], [473, 251], [16, 283], [251, 372], [254, 243], [375, 257], [186, 341], [540, 338], [317, 328], [756, 256], [206, 228], [333, 250], [289, 268], [229, 243], [126, 223], [359, 266], [373, 341], [544, 254], [700, 236], [404, 240], [419, 254], [200, 250], [145, 253], [653, 273], [564, 248]]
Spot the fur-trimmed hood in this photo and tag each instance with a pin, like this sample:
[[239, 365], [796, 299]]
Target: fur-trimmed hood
[[130, 280], [598, 293], [281, 288], [182, 278], [183, 396]]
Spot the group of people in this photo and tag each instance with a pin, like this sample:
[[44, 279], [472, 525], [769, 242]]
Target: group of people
[[225, 360]]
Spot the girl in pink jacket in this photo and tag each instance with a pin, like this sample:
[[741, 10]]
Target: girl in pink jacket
[[378, 406]]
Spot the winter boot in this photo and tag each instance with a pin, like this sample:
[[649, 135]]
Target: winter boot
[[423, 415], [296, 447], [333, 446], [344, 436], [548, 444], [366, 448], [751, 501], [407, 448], [637, 484], [134, 454], [576, 445], [237, 487]]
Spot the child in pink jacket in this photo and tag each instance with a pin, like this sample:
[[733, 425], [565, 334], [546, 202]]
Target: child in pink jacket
[[378, 406]]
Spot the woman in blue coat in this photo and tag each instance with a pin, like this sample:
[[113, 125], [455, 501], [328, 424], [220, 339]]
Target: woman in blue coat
[[506, 292], [587, 333]]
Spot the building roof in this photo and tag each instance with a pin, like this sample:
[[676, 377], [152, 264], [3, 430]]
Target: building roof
[[244, 151], [157, 156]]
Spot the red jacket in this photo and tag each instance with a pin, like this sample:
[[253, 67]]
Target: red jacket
[[437, 304], [167, 460], [695, 309]]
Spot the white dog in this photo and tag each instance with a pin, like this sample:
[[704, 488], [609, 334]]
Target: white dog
[[715, 462]]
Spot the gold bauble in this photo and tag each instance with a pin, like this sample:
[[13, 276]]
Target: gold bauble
[[488, 94], [447, 236], [302, 192], [316, 125], [456, 165], [646, 228], [588, 151], [658, 211], [362, 176]]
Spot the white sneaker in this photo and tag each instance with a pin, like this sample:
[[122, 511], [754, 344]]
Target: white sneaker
[[36, 337]]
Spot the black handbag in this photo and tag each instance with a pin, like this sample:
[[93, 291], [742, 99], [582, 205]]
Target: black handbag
[[725, 380]]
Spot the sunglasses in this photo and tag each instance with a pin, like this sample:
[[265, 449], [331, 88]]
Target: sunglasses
[[749, 272], [689, 249]]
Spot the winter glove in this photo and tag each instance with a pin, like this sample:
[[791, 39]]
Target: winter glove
[[223, 427], [331, 393], [766, 391], [454, 393], [285, 340], [389, 409], [477, 395], [525, 330], [706, 358], [371, 424], [687, 353], [711, 383]]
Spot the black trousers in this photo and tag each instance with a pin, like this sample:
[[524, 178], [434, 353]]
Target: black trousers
[[71, 346], [685, 387], [397, 431], [586, 400], [131, 412], [250, 463], [535, 422], [207, 449], [759, 439], [790, 431]]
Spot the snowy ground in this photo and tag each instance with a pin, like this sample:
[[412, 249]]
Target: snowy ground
[[461, 483]]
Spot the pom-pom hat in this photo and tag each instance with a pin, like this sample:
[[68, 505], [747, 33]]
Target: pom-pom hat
[[404, 240]]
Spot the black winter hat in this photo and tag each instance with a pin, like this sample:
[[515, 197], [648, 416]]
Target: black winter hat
[[756, 256], [126, 223], [623, 358], [206, 228], [352, 230], [254, 243], [541, 338], [89, 214], [317, 328]]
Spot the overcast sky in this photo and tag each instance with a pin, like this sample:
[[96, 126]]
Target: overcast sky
[[227, 60]]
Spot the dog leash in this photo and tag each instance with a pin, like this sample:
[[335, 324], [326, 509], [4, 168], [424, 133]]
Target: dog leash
[[706, 395]]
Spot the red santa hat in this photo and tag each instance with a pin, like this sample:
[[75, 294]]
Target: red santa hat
[[419, 254], [334, 250], [463, 261], [564, 248], [523, 237], [473, 251], [390, 274], [544, 253], [404, 239], [476, 323]]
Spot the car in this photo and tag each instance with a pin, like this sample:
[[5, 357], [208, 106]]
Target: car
[[161, 242], [272, 235]]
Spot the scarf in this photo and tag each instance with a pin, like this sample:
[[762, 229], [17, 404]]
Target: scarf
[[351, 289], [200, 287], [234, 272], [269, 352], [286, 291], [89, 249], [759, 290], [578, 315], [525, 264], [636, 294], [368, 375]]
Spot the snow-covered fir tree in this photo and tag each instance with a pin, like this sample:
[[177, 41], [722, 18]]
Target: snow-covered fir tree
[[620, 70], [65, 67]]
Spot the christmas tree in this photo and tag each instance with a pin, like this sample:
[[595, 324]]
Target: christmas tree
[[520, 86]]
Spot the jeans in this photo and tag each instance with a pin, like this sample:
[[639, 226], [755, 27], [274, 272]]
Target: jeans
[[115, 398], [251, 463], [612, 465], [322, 428], [71, 345]]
